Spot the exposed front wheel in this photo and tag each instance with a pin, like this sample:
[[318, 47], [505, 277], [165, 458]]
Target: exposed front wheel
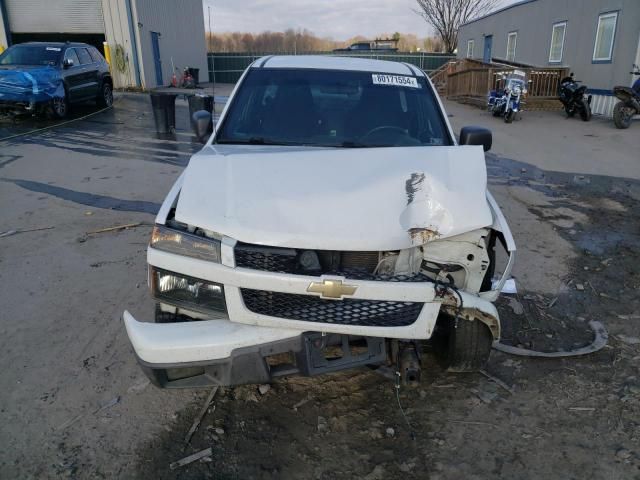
[[469, 346], [570, 111], [59, 107], [509, 116], [622, 115], [105, 97]]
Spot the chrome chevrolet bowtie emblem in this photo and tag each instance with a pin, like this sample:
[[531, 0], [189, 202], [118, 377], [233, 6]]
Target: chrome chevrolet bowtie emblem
[[331, 289]]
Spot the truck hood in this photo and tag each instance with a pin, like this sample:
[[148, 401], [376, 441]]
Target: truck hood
[[337, 199]]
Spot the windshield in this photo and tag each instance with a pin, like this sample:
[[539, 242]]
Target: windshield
[[31, 55], [333, 109]]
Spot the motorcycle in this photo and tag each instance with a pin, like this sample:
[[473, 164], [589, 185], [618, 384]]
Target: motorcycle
[[629, 104], [573, 97], [507, 101]]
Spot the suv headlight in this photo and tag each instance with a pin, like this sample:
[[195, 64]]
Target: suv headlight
[[187, 292], [183, 243]]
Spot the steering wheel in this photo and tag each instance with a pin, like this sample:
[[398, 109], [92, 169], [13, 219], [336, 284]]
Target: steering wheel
[[383, 128]]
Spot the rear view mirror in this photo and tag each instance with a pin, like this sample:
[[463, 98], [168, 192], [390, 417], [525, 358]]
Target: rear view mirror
[[201, 124], [476, 136]]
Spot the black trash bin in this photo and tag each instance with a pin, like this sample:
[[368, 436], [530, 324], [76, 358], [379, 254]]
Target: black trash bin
[[195, 73], [201, 102], [164, 111]]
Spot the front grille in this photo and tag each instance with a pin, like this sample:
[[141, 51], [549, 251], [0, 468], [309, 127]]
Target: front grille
[[350, 311], [353, 265]]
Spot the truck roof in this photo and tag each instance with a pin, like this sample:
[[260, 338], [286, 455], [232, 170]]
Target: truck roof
[[335, 62]]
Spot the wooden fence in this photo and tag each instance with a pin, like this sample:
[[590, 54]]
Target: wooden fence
[[475, 79]]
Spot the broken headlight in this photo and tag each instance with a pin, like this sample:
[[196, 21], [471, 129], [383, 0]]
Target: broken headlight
[[183, 243], [187, 292]]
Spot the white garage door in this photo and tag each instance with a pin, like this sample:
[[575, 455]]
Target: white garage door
[[55, 16]]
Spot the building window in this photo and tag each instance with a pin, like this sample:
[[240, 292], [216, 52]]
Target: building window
[[605, 35], [557, 42], [512, 38], [470, 45]]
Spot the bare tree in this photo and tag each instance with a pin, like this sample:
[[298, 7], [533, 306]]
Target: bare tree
[[446, 16]]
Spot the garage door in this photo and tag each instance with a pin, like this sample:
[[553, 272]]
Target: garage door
[[55, 16]]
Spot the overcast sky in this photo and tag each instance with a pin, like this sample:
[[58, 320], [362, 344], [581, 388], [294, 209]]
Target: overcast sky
[[339, 19]]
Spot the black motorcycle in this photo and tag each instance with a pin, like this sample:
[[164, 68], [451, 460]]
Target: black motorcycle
[[629, 104], [573, 97]]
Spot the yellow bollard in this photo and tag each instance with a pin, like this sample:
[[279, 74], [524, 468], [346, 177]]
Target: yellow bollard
[[107, 53]]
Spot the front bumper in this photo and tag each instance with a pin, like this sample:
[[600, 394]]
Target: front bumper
[[234, 350]]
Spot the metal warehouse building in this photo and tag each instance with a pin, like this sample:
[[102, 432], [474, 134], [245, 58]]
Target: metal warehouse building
[[146, 38], [598, 40]]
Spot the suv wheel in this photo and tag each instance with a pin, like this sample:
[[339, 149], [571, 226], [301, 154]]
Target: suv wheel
[[469, 346], [59, 107], [105, 97]]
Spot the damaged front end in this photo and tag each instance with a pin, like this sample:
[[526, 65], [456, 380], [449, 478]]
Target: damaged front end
[[29, 91], [355, 265]]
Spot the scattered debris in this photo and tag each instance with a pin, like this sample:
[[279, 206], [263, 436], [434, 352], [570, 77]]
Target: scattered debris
[[117, 227], [628, 340], [301, 403], [600, 340], [516, 306], [263, 389], [219, 431], [8, 233], [390, 432], [111, 403], [498, 382], [322, 424], [201, 415], [582, 409], [207, 452], [579, 287]]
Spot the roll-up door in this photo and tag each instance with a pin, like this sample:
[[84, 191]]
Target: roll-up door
[[55, 16]]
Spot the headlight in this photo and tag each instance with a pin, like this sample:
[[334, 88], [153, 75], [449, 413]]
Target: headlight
[[187, 292], [182, 243]]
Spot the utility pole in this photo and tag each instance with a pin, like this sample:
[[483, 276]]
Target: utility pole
[[213, 59]]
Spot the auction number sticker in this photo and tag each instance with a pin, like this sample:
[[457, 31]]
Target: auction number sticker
[[395, 80], [53, 49]]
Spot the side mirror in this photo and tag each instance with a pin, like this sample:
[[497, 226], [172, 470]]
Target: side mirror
[[476, 136], [201, 123], [67, 63]]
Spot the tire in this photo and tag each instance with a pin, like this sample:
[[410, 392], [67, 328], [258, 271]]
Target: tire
[[59, 107], [570, 111], [105, 96], [622, 115], [585, 112], [469, 346], [509, 116]]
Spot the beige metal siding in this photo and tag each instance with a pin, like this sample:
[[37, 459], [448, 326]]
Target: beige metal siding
[[55, 16], [118, 36], [180, 24]]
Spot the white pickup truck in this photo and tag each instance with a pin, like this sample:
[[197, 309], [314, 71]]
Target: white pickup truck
[[332, 220]]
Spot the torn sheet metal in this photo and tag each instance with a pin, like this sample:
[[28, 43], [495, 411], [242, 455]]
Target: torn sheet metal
[[337, 199], [24, 88]]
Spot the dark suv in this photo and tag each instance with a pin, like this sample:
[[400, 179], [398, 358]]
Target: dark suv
[[42, 77]]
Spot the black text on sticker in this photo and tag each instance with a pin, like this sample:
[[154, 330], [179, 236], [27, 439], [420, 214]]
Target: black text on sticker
[[395, 80]]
